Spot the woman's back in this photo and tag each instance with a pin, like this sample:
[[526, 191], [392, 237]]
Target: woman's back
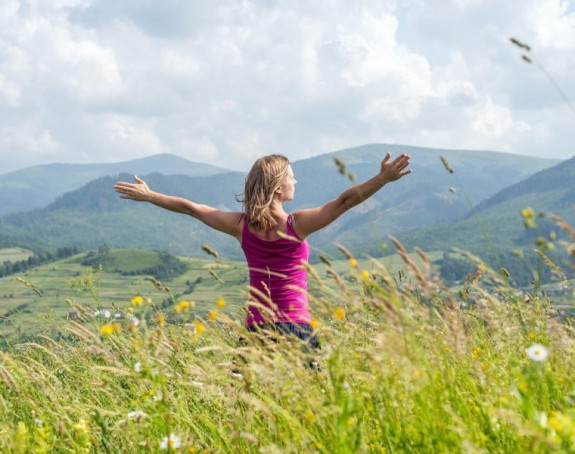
[[278, 280]]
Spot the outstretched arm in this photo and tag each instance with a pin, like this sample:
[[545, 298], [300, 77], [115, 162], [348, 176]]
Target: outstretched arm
[[314, 219], [224, 221]]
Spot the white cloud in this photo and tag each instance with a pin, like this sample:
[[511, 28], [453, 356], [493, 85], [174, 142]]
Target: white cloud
[[100, 80]]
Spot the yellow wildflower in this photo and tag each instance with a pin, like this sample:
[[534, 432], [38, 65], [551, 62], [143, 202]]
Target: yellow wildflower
[[527, 213], [353, 262], [182, 306], [532, 335], [417, 373], [310, 416], [528, 218], [80, 425], [200, 328], [221, 303], [365, 275], [351, 422], [555, 424], [137, 301], [314, 324], [108, 329], [213, 315], [339, 313], [160, 319]]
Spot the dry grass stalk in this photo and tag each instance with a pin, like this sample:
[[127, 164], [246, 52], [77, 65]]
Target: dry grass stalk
[[425, 282], [338, 280], [564, 225]]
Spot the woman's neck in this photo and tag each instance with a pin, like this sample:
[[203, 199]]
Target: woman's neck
[[277, 210]]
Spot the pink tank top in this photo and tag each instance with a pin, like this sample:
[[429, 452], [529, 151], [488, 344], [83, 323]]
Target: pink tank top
[[276, 275]]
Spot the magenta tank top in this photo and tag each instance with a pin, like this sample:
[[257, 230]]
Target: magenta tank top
[[277, 275]]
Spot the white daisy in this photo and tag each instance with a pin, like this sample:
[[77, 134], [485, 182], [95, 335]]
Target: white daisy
[[137, 414], [537, 352], [171, 442], [138, 367]]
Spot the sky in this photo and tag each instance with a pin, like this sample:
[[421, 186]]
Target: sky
[[227, 81]]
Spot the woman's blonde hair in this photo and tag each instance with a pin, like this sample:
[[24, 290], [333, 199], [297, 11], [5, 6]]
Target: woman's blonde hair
[[265, 177]]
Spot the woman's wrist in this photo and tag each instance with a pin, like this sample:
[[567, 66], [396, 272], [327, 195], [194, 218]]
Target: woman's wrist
[[381, 179]]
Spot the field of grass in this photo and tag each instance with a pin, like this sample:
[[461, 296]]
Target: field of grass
[[406, 365], [38, 301], [14, 254]]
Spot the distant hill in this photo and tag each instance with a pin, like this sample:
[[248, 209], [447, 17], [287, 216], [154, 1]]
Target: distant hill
[[423, 198], [37, 186], [93, 215], [498, 218]]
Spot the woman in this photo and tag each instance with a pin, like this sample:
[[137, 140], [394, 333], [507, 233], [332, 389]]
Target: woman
[[274, 242]]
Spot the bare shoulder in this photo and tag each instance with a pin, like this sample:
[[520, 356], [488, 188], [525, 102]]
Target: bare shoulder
[[230, 222]]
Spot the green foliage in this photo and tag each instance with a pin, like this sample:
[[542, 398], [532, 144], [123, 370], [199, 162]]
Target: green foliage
[[159, 264], [9, 267], [451, 375]]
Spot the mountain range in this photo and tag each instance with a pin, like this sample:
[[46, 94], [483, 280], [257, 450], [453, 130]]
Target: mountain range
[[496, 225], [37, 186], [431, 208]]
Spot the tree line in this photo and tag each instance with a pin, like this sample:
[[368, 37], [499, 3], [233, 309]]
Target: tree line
[[38, 258]]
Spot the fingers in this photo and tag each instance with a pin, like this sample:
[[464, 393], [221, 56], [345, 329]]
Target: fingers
[[122, 187], [401, 162], [138, 179], [396, 168]]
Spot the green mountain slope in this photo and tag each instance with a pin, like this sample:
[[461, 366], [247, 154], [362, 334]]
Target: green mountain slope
[[423, 198], [93, 215], [495, 226], [37, 186]]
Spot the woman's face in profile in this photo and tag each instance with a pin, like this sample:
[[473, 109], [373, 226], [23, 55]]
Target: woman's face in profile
[[288, 187]]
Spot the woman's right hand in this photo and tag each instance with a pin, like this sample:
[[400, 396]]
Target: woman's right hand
[[138, 191], [394, 170]]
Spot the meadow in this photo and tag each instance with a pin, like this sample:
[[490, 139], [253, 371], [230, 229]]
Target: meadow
[[406, 364]]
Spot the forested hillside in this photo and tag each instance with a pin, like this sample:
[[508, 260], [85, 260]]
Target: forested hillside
[[93, 215]]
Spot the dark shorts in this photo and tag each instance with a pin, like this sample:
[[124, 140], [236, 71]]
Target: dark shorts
[[300, 330], [274, 332]]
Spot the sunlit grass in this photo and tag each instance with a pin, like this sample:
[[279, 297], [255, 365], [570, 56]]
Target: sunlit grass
[[14, 254], [406, 366]]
